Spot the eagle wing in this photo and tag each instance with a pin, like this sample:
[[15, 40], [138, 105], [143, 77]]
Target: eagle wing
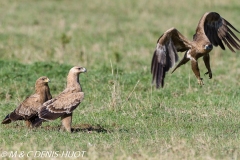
[[217, 30], [64, 103], [28, 108], [165, 55]]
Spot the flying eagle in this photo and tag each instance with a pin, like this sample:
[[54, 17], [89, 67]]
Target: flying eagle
[[63, 104], [212, 30], [29, 108]]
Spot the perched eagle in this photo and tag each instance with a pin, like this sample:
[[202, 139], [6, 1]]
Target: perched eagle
[[212, 30], [29, 108], [63, 104]]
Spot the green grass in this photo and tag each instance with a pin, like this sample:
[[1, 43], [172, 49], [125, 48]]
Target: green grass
[[115, 41]]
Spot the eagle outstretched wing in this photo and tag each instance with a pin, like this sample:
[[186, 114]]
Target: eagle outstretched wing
[[217, 29], [165, 55]]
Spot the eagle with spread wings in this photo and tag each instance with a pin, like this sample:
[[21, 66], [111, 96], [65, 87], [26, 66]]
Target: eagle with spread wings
[[212, 30], [63, 105]]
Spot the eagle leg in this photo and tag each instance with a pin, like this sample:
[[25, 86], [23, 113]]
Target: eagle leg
[[28, 123], [66, 122], [196, 71], [206, 59]]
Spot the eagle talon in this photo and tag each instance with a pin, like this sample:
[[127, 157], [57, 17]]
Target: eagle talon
[[210, 74], [200, 82]]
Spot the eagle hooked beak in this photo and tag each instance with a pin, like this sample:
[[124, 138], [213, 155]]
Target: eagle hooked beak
[[208, 47], [47, 80], [83, 70]]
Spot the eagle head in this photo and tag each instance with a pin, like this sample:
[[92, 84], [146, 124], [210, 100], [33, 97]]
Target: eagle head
[[208, 47]]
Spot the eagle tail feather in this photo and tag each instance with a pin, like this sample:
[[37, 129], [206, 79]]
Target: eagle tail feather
[[6, 120]]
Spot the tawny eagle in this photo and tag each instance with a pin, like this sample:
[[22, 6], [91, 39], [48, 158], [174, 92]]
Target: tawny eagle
[[212, 30], [28, 109], [63, 105]]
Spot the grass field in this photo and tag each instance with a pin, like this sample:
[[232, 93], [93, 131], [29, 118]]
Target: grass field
[[122, 116]]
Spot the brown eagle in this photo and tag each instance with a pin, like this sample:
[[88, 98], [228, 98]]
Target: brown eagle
[[212, 30], [29, 108], [63, 104]]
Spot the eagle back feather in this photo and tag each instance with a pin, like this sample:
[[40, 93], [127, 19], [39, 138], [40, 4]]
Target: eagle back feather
[[63, 104], [29, 106]]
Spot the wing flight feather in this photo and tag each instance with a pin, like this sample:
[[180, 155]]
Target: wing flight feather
[[218, 29], [165, 55]]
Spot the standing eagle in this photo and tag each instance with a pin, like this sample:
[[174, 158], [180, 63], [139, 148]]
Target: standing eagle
[[212, 30], [29, 108], [63, 104]]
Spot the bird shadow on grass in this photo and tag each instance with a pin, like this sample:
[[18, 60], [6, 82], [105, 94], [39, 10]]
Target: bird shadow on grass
[[79, 128], [75, 129], [89, 128], [84, 127]]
